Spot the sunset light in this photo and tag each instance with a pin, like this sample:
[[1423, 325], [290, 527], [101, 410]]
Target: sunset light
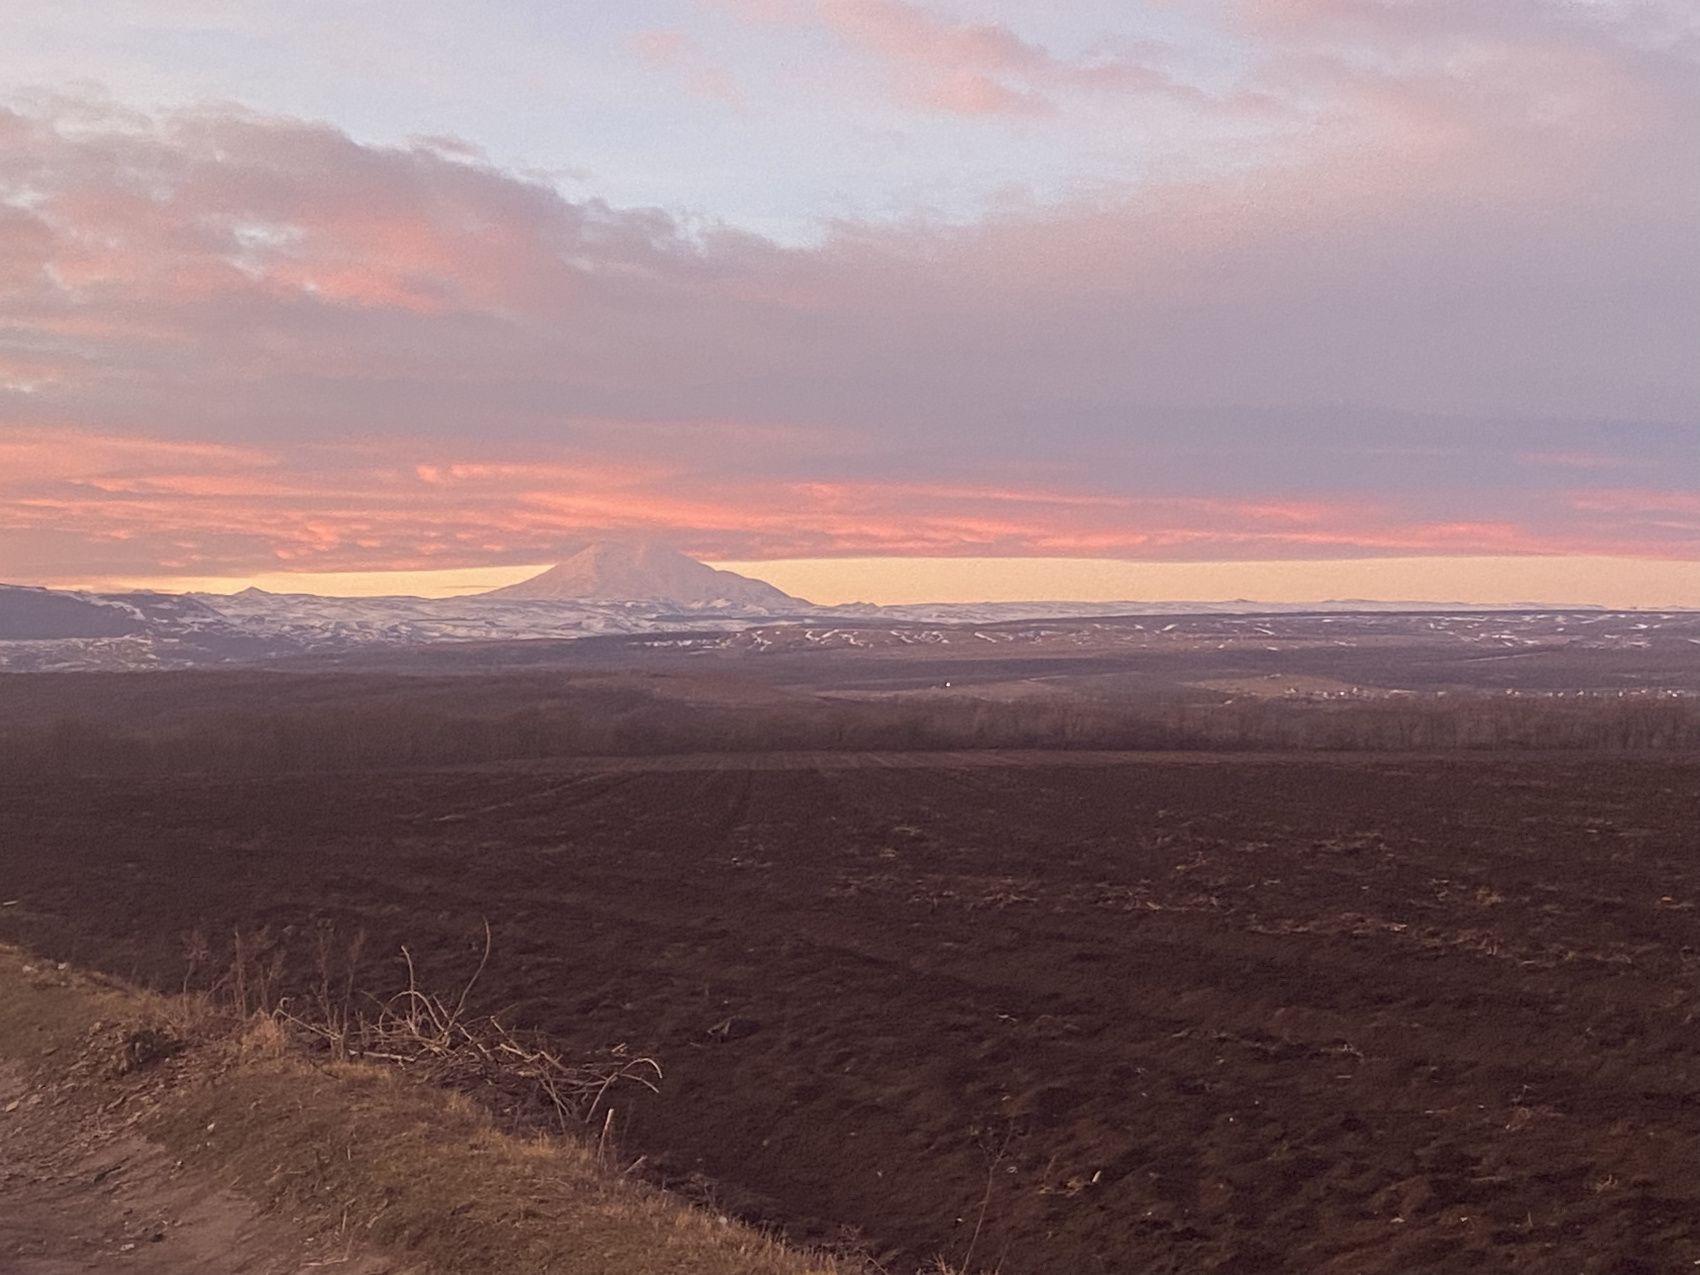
[[1188, 283]]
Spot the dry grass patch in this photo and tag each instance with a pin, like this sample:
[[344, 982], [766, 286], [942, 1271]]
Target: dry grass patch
[[354, 1150], [427, 1175]]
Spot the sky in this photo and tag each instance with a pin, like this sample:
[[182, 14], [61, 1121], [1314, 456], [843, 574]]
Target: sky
[[1285, 299]]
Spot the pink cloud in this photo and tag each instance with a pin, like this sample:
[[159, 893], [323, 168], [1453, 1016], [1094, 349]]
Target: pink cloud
[[212, 203], [381, 505], [233, 340], [970, 68], [1633, 502], [373, 521]]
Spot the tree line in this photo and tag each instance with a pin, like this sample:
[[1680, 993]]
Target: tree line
[[391, 732]]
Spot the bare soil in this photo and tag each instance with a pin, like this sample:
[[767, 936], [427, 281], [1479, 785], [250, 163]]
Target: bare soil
[[1148, 1014], [84, 1187], [77, 1197]]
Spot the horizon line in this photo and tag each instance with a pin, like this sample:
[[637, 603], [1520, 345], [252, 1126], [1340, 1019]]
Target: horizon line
[[1495, 582]]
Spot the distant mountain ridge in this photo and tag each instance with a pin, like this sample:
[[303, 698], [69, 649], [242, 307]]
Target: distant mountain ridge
[[601, 589], [621, 571], [28, 613]]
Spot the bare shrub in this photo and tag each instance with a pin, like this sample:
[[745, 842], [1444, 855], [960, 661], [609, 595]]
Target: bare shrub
[[440, 1042]]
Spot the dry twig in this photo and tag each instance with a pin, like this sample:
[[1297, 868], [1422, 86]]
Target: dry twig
[[439, 1042]]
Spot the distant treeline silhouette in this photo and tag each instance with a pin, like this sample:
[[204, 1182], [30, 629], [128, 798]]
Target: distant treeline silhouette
[[288, 724]]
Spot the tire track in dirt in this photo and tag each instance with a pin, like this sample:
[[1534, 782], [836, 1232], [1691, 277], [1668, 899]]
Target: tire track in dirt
[[577, 790]]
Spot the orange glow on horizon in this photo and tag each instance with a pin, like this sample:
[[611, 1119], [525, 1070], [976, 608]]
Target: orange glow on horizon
[[1653, 584]]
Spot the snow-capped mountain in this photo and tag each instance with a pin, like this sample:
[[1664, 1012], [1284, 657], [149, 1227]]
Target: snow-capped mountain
[[42, 615], [620, 571], [312, 622], [28, 613], [51, 629]]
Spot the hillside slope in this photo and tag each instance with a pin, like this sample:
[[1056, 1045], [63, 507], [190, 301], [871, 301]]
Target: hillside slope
[[185, 1143]]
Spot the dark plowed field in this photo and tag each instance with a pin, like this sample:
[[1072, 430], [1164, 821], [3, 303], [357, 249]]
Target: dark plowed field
[[1357, 1017]]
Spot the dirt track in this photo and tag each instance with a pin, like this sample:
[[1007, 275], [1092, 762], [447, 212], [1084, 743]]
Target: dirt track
[[1183, 1014], [78, 1196]]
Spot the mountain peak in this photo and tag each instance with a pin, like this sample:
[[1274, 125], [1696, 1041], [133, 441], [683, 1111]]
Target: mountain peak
[[642, 571]]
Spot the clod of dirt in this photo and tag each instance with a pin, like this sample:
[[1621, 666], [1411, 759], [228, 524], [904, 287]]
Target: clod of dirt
[[144, 1047]]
